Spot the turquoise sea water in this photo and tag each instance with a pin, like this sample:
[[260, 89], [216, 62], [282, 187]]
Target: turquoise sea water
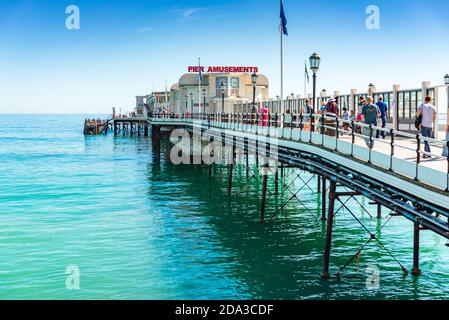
[[138, 229]]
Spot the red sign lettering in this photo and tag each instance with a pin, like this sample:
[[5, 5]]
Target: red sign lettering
[[228, 69]]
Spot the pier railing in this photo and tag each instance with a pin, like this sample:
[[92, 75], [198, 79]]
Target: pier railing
[[390, 149]]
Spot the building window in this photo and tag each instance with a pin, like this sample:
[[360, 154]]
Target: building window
[[220, 84], [235, 86]]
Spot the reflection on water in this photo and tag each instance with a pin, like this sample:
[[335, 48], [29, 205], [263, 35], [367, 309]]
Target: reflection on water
[[140, 229]]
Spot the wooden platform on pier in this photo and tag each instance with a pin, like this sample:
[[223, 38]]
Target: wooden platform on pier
[[94, 127]]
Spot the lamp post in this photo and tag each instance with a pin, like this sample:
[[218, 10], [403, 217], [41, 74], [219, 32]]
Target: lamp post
[[254, 82], [371, 89], [204, 99], [222, 97], [278, 104], [292, 106], [323, 95], [315, 61], [191, 103], [187, 106]]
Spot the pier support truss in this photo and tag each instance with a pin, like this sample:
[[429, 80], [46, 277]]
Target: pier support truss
[[295, 171], [130, 127]]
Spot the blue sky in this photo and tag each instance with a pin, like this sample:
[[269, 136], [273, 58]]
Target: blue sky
[[125, 48]]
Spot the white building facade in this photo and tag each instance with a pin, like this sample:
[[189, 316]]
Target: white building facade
[[219, 91]]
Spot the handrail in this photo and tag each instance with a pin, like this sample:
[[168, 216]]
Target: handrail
[[325, 125]]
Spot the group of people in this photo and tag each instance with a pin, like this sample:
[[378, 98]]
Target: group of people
[[368, 113], [372, 114], [376, 114], [264, 117]]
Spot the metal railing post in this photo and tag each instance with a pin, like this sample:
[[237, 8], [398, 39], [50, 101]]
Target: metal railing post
[[337, 133], [311, 126], [371, 142], [352, 137], [391, 149], [447, 145], [322, 130], [418, 155]]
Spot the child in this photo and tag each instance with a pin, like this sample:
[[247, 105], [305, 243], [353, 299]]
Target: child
[[345, 114], [346, 119]]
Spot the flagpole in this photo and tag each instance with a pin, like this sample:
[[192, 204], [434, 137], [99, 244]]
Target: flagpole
[[282, 71], [305, 85]]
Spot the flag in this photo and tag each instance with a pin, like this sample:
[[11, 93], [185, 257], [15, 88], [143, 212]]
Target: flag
[[200, 71], [283, 25], [306, 72]]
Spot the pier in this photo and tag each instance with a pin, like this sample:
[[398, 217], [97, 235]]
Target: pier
[[392, 174]]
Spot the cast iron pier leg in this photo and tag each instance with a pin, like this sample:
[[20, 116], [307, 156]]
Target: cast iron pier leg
[[264, 193], [276, 181], [379, 211], [330, 222], [416, 271], [231, 168], [323, 200], [247, 158]]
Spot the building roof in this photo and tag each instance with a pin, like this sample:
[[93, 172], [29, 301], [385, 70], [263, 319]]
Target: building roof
[[192, 79]]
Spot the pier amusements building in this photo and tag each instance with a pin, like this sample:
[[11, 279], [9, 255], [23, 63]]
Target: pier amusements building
[[221, 89]]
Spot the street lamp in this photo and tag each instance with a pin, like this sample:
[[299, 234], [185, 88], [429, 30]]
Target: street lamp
[[323, 94], [278, 102], [187, 106], [191, 103], [254, 82], [315, 61], [446, 79], [371, 89], [222, 97], [292, 106], [204, 98]]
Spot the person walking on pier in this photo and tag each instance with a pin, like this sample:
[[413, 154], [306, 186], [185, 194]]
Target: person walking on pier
[[429, 114], [331, 112], [264, 116], [346, 119], [362, 103], [383, 115], [370, 114], [307, 112], [253, 114]]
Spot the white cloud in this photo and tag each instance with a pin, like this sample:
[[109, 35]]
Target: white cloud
[[189, 13], [145, 29]]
